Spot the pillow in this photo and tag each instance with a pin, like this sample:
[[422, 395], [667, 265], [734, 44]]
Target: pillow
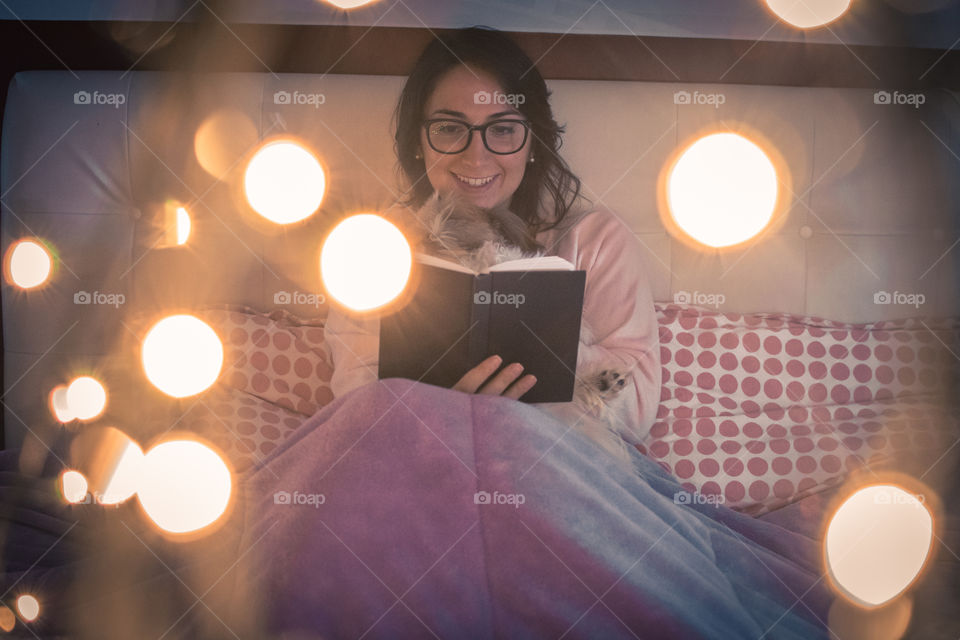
[[763, 409], [276, 357], [242, 426]]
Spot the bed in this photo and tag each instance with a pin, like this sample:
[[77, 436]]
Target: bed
[[793, 375]]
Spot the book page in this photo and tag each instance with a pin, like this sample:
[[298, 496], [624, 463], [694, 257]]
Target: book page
[[543, 263], [434, 261]]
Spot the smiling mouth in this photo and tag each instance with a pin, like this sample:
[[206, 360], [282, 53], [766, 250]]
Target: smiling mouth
[[474, 182]]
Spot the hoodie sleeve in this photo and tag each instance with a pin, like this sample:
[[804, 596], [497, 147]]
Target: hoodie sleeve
[[618, 308]]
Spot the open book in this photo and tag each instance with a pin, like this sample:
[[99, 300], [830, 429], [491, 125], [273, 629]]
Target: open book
[[525, 311]]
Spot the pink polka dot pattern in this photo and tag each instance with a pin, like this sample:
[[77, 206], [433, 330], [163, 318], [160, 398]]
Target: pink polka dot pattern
[[786, 406], [276, 357], [243, 427]]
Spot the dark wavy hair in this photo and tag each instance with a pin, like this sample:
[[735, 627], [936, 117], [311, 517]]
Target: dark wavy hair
[[491, 51]]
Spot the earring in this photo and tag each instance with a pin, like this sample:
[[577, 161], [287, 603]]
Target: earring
[[418, 156], [530, 160]]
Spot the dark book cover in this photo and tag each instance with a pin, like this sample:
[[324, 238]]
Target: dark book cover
[[455, 320]]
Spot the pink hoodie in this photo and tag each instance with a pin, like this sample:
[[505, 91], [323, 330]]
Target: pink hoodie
[[618, 307]]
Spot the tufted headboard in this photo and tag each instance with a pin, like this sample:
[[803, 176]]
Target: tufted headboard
[[873, 195]]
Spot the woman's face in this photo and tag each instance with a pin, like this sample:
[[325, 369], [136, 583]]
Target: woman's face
[[453, 97]]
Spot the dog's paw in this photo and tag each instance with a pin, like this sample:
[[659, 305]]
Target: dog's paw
[[610, 382]]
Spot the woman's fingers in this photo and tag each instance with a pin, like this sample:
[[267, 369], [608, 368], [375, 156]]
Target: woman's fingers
[[520, 387], [472, 379], [502, 380], [505, 383]]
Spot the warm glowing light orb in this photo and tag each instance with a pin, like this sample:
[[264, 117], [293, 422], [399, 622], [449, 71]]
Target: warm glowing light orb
[[7, 620], [28, 607], [222, 140], [722, 190], [73, 484], [877, 542], [58, 404], [349, 4], [183, 225], [284, 182], [86, 398], [125, 479], [29, 264], [806, 14], [182, 355], [185, 486], [365, 262]]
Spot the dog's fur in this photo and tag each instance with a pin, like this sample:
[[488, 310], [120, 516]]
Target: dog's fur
[[478, 238]]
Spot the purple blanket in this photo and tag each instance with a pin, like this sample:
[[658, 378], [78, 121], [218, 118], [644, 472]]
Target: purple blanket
[[405, 510]]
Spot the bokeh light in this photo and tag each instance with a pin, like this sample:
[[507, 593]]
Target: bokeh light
[[349, 4], [877, 542], [365, 262], [182, 355], [123, 479], [284, 182], [722, 190], [221, 141], [28, 264], [185, 486], [7, 619], [73, 485], [86, 398], [58, 404], [806, 14], [183, 225], [28, 607]]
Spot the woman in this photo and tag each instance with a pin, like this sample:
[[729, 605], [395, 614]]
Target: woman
[[479, 90]]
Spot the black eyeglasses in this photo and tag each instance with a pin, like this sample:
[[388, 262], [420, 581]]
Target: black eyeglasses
[[502, 137]]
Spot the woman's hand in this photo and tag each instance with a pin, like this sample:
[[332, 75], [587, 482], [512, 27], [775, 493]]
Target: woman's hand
[[498, 385]]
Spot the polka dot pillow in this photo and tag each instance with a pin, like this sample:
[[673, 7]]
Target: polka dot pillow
[[764, 409], [243, 427], [276, 357]]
